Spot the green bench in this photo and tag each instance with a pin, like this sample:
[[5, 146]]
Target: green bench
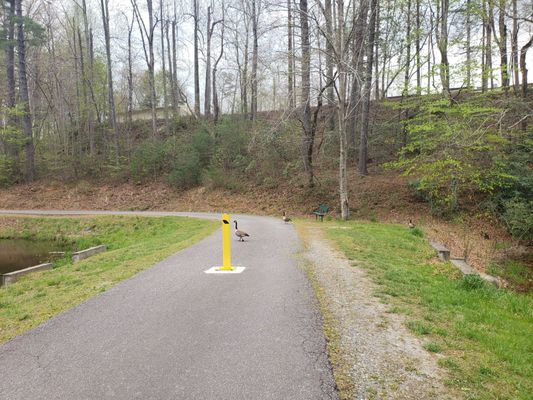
[[321, 211]]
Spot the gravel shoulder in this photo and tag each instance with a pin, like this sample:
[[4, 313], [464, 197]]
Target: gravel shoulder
[[373, 354]]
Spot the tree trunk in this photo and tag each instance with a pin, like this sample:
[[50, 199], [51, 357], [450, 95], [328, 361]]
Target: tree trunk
[[502, 44], [407, 67], [514, 49], [354, 106], [417, 50], [216, 105], [130, 82], [24, 96], [330, 94], [484, 57], [523, 68], [343, 139], [151, 65], [307, 133], [87, 73], [10, 53], [290, 55], [207, 93], [442, 44], [365, 114], [468, 44], [488, 51], [111, 95], [163, 65], [244, 83], [254, 59], [175, 105], [196, 66]]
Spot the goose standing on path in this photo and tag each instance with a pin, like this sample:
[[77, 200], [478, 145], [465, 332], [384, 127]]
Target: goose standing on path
[[285, 218], [240, 234]]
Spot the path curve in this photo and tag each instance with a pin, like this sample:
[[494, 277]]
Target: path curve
[[174, 332]]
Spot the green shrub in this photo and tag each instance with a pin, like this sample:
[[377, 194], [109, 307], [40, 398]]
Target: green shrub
[[7, 170], [203, 144], [417, 232], [216, 178], [518, 216], [148, 160], [472, 282], [452, 150], [186, 171]]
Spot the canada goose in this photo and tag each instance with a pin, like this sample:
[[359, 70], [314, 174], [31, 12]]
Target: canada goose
[[240, 234], [411, 225], [285, 218]]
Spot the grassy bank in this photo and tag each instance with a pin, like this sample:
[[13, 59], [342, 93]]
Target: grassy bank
[[483, 335], [134, 244]]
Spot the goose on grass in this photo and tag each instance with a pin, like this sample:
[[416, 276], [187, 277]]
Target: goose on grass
[[240, 234]]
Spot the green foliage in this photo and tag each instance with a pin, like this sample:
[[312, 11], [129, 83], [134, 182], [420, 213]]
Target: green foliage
[[518, 273], [12, 143], [148, 160], [186, 171], [417, 232], [471, 282], [518, 216], [6, 170], [451, 151]]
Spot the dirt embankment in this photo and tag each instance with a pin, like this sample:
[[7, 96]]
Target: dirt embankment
[[382, 196]]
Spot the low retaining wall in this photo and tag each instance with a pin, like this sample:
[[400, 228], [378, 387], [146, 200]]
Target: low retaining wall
[[82, 255], [444, 254], [11, 277]]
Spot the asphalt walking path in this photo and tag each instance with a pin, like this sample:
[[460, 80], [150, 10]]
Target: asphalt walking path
[[174, 332]]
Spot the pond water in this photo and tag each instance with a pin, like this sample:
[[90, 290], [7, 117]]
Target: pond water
[[18, 254]]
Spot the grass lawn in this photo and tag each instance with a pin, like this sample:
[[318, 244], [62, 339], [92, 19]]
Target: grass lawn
[[484, 335], [134, 244]]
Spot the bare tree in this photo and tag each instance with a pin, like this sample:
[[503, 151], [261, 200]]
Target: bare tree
[[23, 93], [110, 92], [216, 105], [365, 112], [147, 37], [290, 55], [207, 89], [255, 49], [196, 64], [502, 45], [442, 44], [10, 53], [163, 63], [307, 132], [341, 50]]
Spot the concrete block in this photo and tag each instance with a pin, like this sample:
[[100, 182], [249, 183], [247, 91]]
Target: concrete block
[[11, 277], [82, 255], [468, 270], [442, 251], [463, 266]]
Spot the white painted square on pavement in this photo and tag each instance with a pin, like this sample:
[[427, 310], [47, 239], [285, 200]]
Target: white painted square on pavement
[[217, 270]]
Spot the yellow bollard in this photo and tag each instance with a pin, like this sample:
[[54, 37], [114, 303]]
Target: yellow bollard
[[226, 244]]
